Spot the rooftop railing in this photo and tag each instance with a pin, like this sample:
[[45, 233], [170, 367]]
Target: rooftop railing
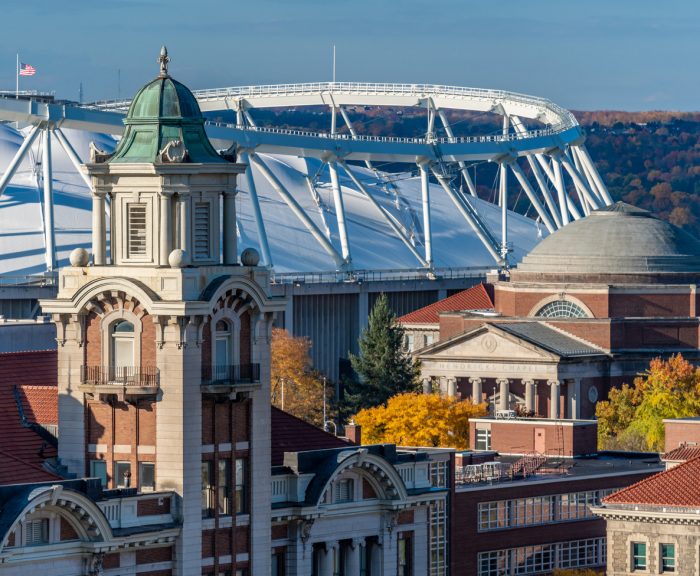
[[125, 376]]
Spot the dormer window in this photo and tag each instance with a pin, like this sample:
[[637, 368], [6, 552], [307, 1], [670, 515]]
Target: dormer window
[[137, 243]]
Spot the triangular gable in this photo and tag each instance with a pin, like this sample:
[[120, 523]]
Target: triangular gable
[[487, 341]]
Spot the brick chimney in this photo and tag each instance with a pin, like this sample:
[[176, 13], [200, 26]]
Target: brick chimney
[[353, 432]]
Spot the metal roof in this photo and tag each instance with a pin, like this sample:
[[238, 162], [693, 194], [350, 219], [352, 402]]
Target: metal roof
[[541, 335]]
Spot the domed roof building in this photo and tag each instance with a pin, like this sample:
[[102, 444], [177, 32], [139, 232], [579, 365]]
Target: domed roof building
[[585, 310]]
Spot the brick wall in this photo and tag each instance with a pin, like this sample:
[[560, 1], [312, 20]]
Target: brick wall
[[679, 432], [468, 541], [153, 555], [125, 425], [245, 339], [153, 506], [280, 531], [650, 305], [67, 531]]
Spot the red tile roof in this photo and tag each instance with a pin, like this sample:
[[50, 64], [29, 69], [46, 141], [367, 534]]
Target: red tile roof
[[474, 298], [682, 453], [675, 487], [291, 434], [40, 403], [14, 470], [37, 371]]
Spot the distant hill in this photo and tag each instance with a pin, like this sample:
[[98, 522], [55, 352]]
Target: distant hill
[[650, 159]]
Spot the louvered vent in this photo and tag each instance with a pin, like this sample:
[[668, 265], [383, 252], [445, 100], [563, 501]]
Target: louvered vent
[[201, 231], [136, 222]]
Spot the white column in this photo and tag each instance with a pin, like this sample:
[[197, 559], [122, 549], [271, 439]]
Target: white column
[[328, 561], [477, 390], [573, 395], [451, 387], [230, 248], [427, 231], [166, 228], [48, 203], [554, 399], [427, 386], [184, 241], [339, 212], [352, 558], [98, 230], [504, 394], [530, 406]]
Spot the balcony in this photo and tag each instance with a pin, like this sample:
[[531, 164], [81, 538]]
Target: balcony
[[121, 380], [230, 377]]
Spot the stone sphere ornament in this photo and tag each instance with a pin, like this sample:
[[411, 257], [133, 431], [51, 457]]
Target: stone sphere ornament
[[79, 258], [178, 258], [250, 257]]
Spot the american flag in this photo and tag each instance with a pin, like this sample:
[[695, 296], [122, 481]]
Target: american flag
[[26, 70]]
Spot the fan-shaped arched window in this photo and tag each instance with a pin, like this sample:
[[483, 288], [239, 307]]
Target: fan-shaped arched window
[[561, 309], [122, 344]]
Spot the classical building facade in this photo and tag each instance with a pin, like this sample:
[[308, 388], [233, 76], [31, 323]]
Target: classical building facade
[[587, 309], [163, 356]]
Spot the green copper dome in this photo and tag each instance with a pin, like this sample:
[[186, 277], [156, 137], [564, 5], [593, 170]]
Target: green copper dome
[[165, 112]]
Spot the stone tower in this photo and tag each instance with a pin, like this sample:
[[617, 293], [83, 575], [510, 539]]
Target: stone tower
[[164, 341]]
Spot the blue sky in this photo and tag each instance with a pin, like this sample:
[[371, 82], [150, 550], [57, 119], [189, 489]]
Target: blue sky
[[592, 54]]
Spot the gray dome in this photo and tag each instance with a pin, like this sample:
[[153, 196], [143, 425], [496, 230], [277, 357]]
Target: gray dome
[[616, 239]]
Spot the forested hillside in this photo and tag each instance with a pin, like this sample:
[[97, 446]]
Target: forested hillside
[[650, 159]]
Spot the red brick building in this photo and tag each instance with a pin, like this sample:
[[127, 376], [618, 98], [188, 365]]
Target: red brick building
[[587, 309]]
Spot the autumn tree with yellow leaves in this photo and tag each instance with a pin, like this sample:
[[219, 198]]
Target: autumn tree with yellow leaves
[[295, 387], [415, 419], [632, 417]]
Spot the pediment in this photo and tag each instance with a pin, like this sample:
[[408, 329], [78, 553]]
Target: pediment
[[488, 342]]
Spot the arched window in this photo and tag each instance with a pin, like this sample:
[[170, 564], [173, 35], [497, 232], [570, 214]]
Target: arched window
[[561, 309], [122, 353], [223, 352]]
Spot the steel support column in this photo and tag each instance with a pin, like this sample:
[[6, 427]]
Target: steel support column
[[525, 184], [340, 212], [427, 228], [352, 131], [578, 181], [586, 159], [462, 165], [561, 193], [48, 201], [297, 210], [17, 160], [244, 158], [472, 218], [383, 211]]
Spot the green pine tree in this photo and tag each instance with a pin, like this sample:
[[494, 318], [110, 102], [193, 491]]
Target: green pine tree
[[383, 368]]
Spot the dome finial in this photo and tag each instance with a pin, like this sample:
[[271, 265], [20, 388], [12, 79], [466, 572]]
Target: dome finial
[[163, 60]]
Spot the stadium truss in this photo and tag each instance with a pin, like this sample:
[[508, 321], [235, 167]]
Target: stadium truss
[[560, 182]]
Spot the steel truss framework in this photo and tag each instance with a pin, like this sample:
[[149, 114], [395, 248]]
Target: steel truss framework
[[553, 149]]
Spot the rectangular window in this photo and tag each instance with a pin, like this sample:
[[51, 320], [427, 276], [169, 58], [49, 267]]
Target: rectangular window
[[483, 439], [224, 487], [202, 249], [241, 486], [36, 532], [98, 469], [147, 476], [405, 553], [668, 558], [344, 490], [136, 224], [207, 489], [122, 474], [639, 556]]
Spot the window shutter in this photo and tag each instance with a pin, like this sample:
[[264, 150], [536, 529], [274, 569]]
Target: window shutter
[[136, 223], [201, 231]]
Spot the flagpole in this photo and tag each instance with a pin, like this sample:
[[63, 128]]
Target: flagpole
[[17, 79]]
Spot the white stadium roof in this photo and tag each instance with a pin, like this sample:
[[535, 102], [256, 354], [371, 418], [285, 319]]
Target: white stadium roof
[[373, 244]]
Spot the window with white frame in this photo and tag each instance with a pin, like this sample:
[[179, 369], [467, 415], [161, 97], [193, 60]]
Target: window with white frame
[[137, 230], [223, 339], [438, 474], [437, 530], [549, 509], [639, 556], [483, 439], [344, 490], [529, 560], [98, 469], [202, 231], [561, 309], [122, 474], [147, 476], [668, 557], [122, 353], [36, 532]]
